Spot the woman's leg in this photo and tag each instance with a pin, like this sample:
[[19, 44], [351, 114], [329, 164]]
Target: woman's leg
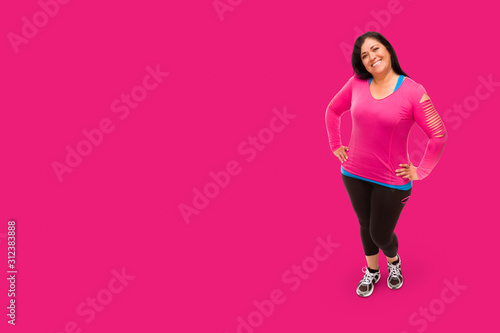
[[393, 259], [360, 193], [372, 261], [386, 207]]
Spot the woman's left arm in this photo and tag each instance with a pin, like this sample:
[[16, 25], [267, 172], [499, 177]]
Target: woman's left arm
[[428, 119]]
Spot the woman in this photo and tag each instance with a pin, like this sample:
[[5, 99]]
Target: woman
[[375, 167]]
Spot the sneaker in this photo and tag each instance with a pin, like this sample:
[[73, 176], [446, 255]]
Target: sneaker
[[395, 278], [367, 284]]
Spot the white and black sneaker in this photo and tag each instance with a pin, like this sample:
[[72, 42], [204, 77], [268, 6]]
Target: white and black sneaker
[[395, 278], [367, 284]]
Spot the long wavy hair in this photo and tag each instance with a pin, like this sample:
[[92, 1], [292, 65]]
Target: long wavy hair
[[357, 63]]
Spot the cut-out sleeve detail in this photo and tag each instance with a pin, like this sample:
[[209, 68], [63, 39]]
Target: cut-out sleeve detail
[[426, 116], [424, 98], [340, 103]]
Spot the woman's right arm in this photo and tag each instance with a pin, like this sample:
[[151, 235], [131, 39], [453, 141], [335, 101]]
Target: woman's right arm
[[338, 105]]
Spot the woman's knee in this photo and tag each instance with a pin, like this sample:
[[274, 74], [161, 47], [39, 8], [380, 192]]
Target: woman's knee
[[382, 240]]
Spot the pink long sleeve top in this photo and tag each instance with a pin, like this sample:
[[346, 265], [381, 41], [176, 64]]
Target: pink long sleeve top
[[380, 130]]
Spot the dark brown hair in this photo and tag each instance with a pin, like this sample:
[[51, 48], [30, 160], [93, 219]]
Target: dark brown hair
[[357, 63]]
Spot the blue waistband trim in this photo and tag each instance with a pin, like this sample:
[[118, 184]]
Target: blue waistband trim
[[399, 187]]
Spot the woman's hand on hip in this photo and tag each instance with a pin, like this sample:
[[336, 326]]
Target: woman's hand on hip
[[408, 171], [341, 153]]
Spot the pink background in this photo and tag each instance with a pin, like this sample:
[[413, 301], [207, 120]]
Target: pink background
[[119, 209]]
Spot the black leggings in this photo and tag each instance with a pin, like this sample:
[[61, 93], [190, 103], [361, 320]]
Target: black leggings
[[378, 209]]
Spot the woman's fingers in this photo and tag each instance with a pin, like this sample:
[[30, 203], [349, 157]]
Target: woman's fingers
[[404, 167], [407, 171], [341, 154]]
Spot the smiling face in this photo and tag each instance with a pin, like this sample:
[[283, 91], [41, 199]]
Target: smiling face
[[375, 57]]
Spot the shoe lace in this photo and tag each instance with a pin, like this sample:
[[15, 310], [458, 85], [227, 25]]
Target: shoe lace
[[393, 271], [369, 276]]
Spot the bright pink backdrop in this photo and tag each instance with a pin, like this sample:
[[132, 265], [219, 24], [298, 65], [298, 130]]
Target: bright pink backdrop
[[230, 75]]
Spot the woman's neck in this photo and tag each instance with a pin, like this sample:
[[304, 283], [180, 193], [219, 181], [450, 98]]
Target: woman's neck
[[384, 79]]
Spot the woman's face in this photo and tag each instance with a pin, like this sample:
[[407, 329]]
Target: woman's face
[[374, 53]]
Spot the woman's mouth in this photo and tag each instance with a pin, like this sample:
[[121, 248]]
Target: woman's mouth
[[377, 63]]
